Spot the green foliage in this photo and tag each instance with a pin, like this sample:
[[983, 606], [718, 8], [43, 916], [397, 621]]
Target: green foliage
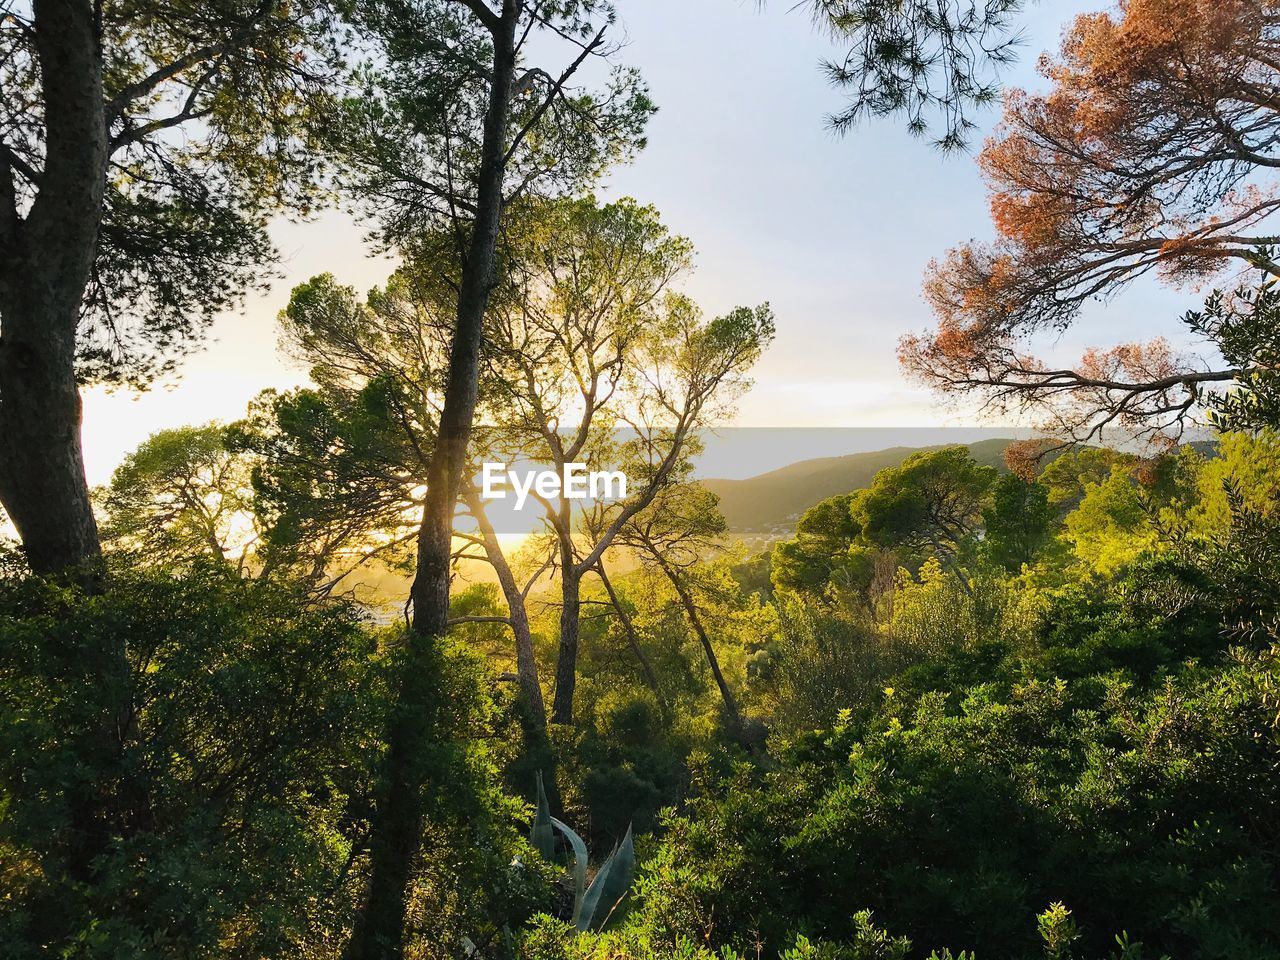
[[1055, 722], [1247, 466], [225, 764], [1245, 328], [226, 770], [972, 757], [933, 502], [927, 60], [1058, 931], [477, 876], [1003, 761], [1110, 528], [1018, 522], [1066, 477], [818, 561], [340, 464], [935, 620], [410, 130], [898, 813], [209, 109], [1112, 740], [550, 940], [627, 765], [823, 661], [182, 496], [932, 505]]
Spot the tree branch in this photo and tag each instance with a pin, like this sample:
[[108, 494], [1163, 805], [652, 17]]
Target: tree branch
[[554, 92]]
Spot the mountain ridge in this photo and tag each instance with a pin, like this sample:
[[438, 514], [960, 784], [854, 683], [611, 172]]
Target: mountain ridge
[[770, 503]]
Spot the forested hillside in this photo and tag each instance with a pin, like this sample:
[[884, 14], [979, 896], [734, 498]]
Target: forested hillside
[[772, 502]]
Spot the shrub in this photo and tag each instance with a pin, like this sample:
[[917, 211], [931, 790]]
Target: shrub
[[223, 768]]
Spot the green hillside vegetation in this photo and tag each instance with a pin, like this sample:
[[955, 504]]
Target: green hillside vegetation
[[960, 710], [772, 502], [1054, 734], [969, 703]]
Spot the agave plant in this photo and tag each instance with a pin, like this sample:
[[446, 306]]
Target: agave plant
[[593, 905]]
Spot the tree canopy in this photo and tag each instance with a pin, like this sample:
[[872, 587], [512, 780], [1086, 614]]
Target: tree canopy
[[1150, 153]]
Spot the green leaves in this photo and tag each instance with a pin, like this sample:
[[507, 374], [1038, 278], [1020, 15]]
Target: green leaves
[[611, 884], [409, 141], [592, 906], [932, 62], [1245, 328], [541, 834], [579, 862]]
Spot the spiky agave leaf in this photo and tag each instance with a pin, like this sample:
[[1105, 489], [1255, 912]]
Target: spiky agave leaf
[[541, 833], [579, 865], [609, 887]]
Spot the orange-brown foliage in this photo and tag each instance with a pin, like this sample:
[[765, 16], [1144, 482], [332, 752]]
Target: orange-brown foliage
[[1152, 151]]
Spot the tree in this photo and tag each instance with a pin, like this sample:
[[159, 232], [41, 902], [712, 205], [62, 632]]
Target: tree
[[925, 59], [227, 784], [623, 612], [342, 463], [677, 373], [679, 529], [1018, 523], [588, 341], [516, 597], [445, 136], [933, 502], [1067, 477], [1151, 152], [822, 557], [182, 496], [141, 150], [1112, 525]]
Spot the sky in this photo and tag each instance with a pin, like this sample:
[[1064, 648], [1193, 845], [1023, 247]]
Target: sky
[[835, 232]]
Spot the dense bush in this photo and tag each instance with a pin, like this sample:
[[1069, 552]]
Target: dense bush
[[219, 765], [207, 791], [1101, 769]]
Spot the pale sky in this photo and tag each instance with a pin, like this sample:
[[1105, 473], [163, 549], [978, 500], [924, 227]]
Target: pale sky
[[835, 232]]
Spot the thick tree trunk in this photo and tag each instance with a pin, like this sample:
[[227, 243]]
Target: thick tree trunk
[[397, 828], [46, 259], [567, 656], [42, 480], [45, 263]]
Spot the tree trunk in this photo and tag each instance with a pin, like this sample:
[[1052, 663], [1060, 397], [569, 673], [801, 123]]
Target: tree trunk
[[533, 709], [946, 558], [633, 640], [526, 664], [397, 827], [567, 656], [695, 622], [45, 263]]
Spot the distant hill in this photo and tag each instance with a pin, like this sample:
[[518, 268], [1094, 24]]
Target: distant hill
[[771, 503]]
